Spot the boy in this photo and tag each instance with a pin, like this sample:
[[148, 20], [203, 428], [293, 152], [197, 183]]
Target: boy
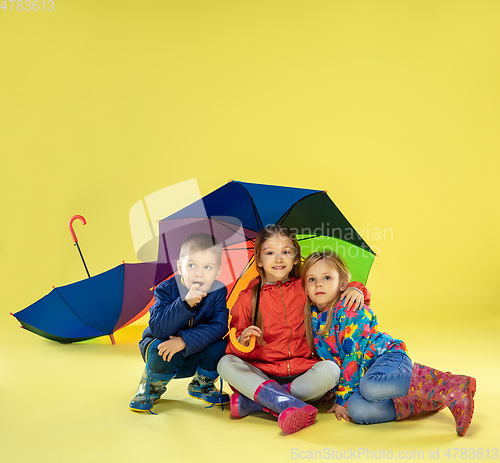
[[186, 326]]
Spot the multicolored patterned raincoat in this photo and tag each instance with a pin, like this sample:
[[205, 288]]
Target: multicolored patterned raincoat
[[353, 342]]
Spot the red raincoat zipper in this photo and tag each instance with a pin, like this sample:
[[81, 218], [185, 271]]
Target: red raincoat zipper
[[286, 323]]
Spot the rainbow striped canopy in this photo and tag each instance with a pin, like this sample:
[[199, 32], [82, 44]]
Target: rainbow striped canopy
[[234, 213]]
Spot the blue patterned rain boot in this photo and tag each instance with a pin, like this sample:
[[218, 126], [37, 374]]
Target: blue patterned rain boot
[[202, 387], [242, 406], [151, 388], [293, 414]]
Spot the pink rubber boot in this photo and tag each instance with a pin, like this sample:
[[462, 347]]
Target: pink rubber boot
[[410, 406], [455, 391]]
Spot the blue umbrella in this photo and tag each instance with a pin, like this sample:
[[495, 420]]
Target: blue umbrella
[[96, 306]]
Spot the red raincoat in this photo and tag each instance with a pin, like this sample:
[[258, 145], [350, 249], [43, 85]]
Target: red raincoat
[[282, 307]]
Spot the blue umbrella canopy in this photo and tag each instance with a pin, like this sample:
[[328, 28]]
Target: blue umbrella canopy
[[97, 306]]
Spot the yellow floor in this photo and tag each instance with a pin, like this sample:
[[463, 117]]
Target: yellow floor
[[392, 106], [69, 403]]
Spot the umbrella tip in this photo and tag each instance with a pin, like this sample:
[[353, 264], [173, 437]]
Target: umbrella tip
[[123, 261], [11, 313], [53, 287]]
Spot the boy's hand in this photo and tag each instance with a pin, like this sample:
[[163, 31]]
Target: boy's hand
[[328, 398], [195, 295], [248, 333], [352, 299], [168, 349], [340, 412]]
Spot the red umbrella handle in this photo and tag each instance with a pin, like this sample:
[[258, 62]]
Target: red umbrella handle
[[75, 239], [70, 225]]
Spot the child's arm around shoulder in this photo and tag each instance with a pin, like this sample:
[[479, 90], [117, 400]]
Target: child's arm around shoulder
[[355, 295], [169, 313]]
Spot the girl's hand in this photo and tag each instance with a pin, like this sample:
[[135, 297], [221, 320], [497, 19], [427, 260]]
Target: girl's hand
[[248, 333], [169, 348], [340, 412], [352, 299], [328, 398]]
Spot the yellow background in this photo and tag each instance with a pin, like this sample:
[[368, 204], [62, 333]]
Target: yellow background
[[391, 106]]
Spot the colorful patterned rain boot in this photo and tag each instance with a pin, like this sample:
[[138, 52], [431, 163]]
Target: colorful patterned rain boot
[[455, 391], [202, 387], [410, 406], [151, 388], [293, 414]]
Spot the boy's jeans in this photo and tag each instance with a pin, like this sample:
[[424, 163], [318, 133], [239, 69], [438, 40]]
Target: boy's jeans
[[388, 377], [207, 359]]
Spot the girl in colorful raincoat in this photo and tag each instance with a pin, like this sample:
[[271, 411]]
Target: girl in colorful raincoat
[[378, 381]]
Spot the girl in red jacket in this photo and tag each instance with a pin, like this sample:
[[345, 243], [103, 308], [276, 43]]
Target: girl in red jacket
[[281, 372]]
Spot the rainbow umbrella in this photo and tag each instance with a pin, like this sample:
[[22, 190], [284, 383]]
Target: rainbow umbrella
[[96, 306], [235, 212]]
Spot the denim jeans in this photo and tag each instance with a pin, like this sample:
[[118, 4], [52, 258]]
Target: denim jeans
[[388, 377], [185, 367]]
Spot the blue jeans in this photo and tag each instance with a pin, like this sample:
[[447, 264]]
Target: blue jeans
[[185, 367], [388, 377]]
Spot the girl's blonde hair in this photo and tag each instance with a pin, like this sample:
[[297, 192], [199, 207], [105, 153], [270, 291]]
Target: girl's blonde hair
[[344, 276], [267, 233]]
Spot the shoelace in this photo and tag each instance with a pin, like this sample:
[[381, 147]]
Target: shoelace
[[148, 397], [220, 396]]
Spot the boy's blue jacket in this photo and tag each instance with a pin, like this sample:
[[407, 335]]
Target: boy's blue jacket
[[198, 326]]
